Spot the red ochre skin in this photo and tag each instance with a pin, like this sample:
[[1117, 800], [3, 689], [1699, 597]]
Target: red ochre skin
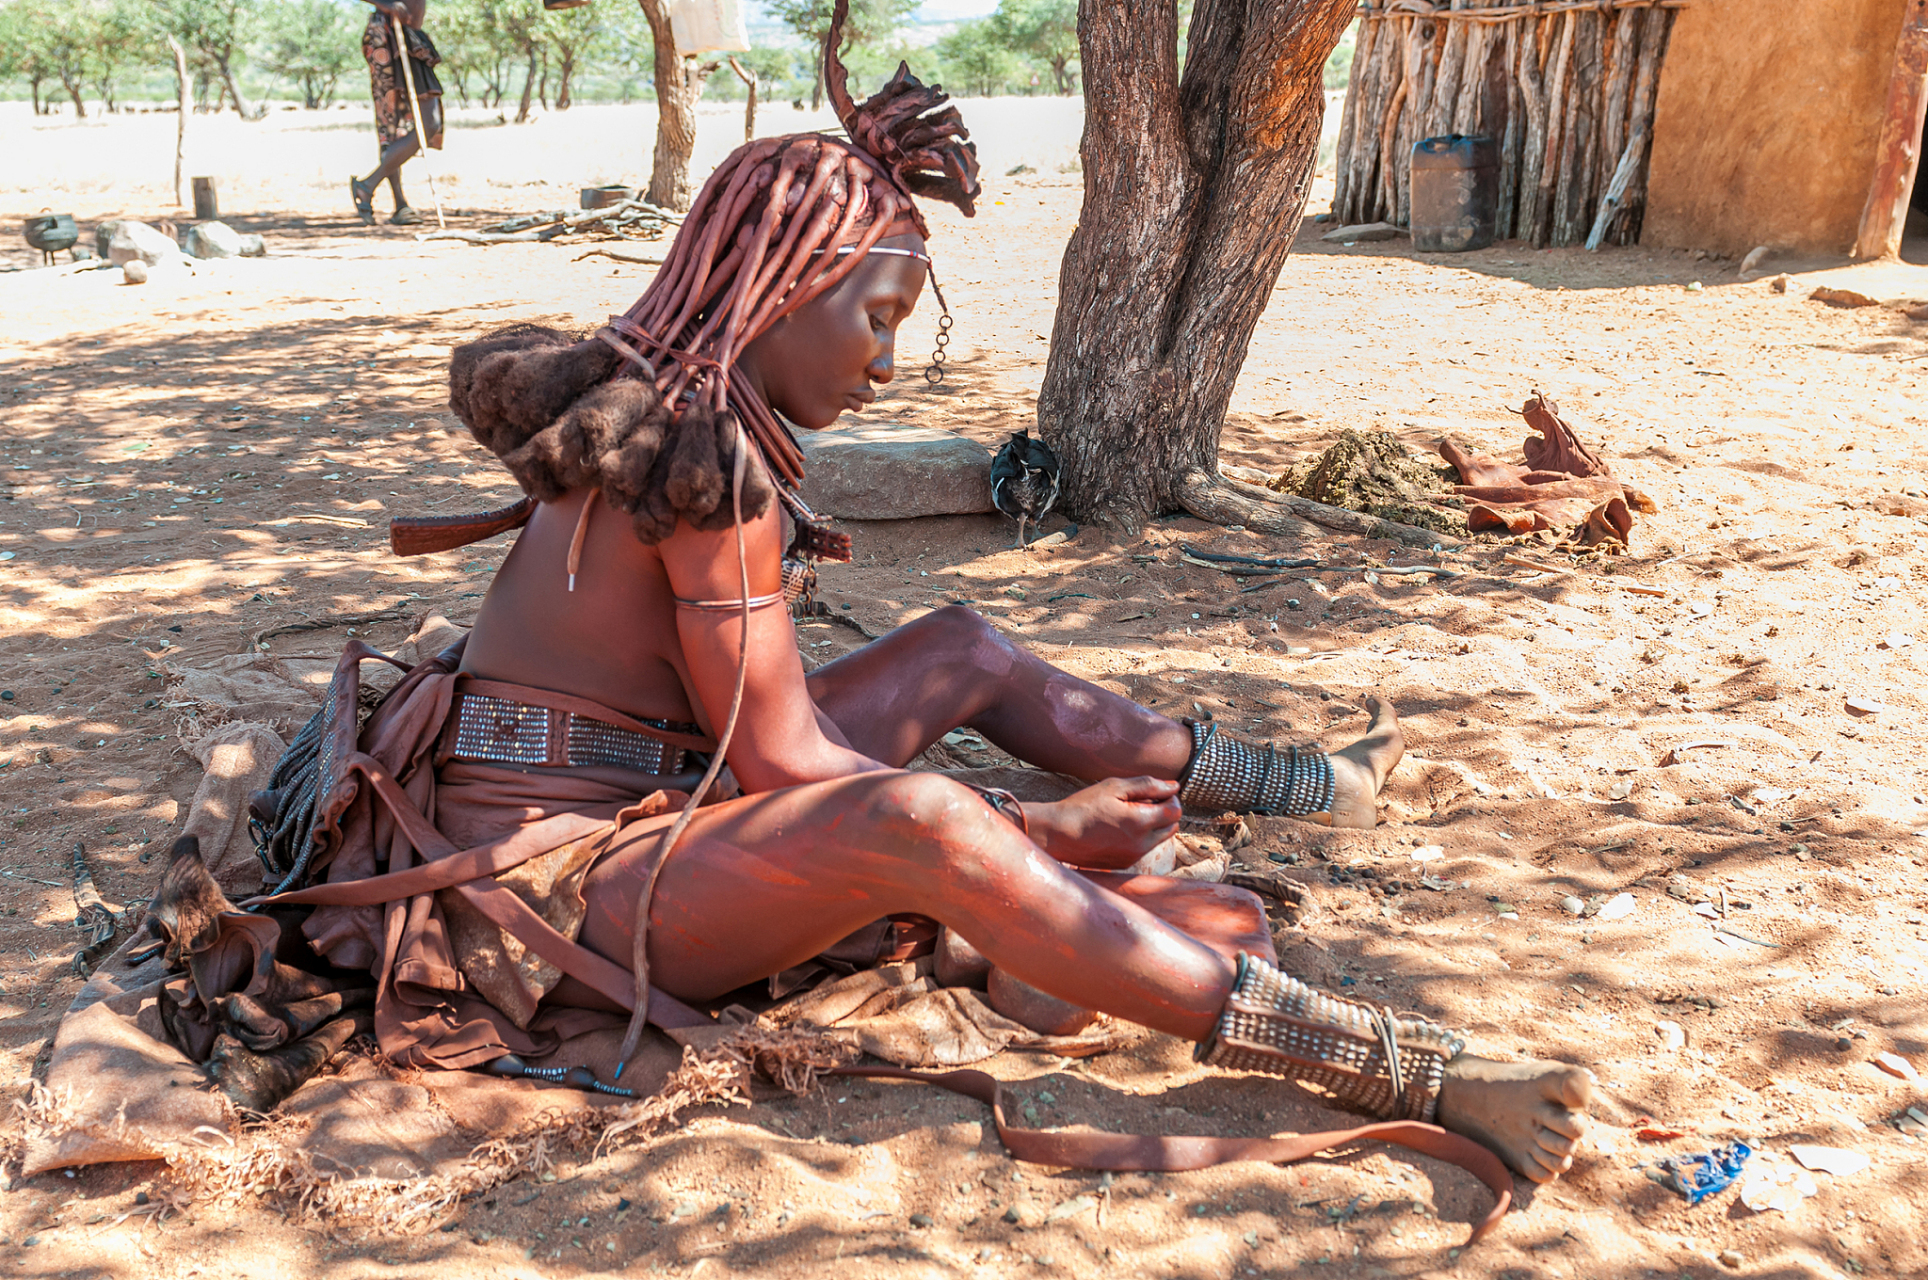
[[831, 834]]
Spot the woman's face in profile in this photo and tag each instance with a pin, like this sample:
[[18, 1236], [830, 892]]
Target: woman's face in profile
[[826, 357]]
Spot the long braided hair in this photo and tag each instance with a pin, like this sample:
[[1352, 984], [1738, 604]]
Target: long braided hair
[[647, 409]]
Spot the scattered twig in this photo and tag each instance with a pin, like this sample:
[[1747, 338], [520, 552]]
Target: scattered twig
[[1217, 558], [328, 621], [620, 256], [97, 921], [1520, 561]]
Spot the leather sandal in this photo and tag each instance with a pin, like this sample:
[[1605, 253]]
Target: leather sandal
[[364, 201], [405, 217]]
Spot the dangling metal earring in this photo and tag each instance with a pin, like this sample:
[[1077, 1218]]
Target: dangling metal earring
[[934, 373]]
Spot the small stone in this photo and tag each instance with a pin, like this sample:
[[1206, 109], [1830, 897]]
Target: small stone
[[1865, 707], [1842, 298], [1695, 286], [1573, 906], [1899, 1067], [1672, 1037], [922, 1221], [1731, 1258], [134, 272], [6, 695], [1843, 1044]]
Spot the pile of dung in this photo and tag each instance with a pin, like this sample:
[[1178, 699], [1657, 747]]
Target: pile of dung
[[1372, 472]]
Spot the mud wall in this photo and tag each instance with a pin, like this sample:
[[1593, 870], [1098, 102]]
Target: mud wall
[[1765, 128]]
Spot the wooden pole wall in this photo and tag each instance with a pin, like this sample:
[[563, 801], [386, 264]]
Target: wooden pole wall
[[1566, 88]]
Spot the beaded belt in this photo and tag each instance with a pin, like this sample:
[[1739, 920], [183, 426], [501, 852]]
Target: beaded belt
[[497, 731]]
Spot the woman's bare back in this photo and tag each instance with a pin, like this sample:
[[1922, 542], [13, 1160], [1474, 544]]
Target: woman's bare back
[[612, 640]]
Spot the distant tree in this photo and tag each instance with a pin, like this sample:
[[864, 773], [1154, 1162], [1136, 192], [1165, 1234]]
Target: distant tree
[[572, 36], [1044, 29], [121, 39], [23, 48], [215, 32], [870, 21], [69, 44], [975, 61], [311, 42]]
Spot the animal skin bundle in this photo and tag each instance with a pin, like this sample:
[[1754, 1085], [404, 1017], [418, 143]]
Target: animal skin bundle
[[647, 409]]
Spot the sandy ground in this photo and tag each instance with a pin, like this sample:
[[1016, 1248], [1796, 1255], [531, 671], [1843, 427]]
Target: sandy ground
[[192, 462]]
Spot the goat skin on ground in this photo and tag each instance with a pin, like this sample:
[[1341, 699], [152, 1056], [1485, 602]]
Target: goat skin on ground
[[1562, 485]]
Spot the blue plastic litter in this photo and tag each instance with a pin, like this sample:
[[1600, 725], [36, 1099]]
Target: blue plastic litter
[[1704, 1173]]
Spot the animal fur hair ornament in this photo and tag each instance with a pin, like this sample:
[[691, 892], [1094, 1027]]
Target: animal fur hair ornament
[[647, 409]]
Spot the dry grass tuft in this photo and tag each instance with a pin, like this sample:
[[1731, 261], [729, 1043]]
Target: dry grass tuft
[[261, 1156]]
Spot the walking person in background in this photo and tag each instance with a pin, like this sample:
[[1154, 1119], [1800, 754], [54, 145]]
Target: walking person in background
[[394, 125]]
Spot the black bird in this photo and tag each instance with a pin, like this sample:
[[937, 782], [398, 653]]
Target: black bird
[[1024, 480]]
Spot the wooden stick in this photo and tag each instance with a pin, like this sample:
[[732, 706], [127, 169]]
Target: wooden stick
[[1533, 157], [180, 125], [1452, 68], [1511, 144], [1659, 29], [1898, 151], [1343, 164], [415, 114], [1556, 109], [1428, 11]]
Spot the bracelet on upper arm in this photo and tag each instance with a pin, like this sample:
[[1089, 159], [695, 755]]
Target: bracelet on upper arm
[[722, 606]]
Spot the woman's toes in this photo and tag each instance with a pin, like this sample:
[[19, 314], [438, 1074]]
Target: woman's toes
[[1555, 1143]]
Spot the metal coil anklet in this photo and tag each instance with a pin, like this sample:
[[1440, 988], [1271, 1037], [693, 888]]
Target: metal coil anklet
[[1369, 1059], [1225, 774]]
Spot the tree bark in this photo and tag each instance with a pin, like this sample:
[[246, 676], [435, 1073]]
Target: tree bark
[[669, 175], [1193, 192], [528, 88], [185, 106]]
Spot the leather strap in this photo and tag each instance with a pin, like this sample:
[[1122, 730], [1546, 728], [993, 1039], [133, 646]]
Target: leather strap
[[1155, 1153], [420, 535], [583, 707], [467, 871]]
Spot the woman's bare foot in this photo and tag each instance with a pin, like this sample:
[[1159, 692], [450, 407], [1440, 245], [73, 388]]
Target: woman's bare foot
[[1530, 1114], [1358, 771]]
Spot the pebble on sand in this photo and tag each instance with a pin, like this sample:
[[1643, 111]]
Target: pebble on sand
[[1899, 1067], [134, 272]]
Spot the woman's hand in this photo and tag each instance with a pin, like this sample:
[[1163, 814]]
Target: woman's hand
[[1108, 825]]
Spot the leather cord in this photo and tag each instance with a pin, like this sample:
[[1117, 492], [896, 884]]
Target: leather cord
[[1158, 1153]]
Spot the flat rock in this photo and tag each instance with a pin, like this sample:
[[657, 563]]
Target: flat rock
[[1364, 231], [890, 471]]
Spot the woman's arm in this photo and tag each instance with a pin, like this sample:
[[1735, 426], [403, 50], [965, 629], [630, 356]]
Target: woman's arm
[[780, 738]]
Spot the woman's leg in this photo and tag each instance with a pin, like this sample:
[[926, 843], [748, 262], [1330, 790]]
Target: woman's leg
[[394, 155], [903, 691], [760, 884]]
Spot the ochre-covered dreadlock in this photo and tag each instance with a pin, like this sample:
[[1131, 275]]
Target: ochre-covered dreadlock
[[647, 408]]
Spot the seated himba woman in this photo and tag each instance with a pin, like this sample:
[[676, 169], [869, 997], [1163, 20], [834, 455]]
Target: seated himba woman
[[640, 617]]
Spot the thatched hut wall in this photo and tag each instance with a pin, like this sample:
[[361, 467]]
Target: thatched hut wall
[[1566, 87], [1767, 123]]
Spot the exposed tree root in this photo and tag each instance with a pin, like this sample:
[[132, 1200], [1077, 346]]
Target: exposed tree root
[[1223, 500]]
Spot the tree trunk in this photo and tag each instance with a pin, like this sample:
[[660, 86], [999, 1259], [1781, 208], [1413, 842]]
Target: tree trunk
[[565, 73], [528, 89], [816, 85], [241, 106], [669, 176], [1193, 192], [80, 107], [184, 107]]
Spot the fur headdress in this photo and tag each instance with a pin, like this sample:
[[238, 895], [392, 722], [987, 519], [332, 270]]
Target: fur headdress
[[648, 408]]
